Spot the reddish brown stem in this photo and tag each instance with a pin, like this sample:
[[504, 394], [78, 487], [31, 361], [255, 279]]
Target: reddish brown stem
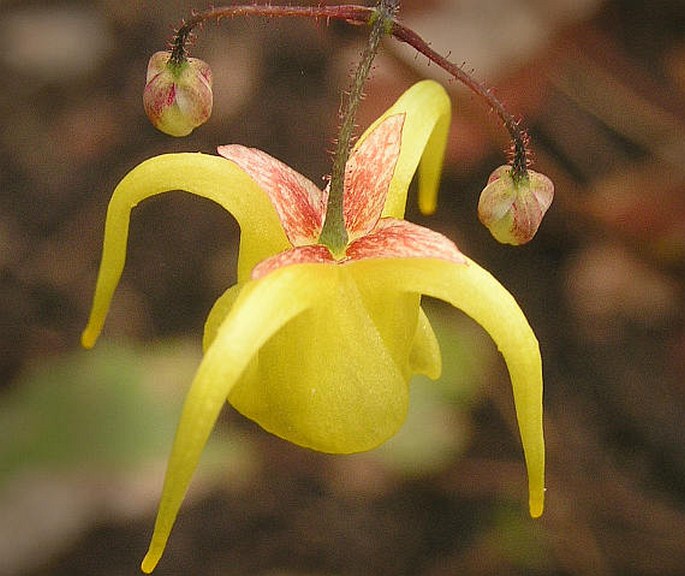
[[364, 16], [357, 15], [520, 157]]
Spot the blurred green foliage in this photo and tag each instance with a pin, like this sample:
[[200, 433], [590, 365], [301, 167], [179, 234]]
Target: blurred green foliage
[[437, 428], [109, 408]]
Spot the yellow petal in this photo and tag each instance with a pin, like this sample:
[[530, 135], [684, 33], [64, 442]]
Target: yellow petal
[[424, 138], [209, 176], [478, 294], [261, 310], [335, 379], [393, 316]]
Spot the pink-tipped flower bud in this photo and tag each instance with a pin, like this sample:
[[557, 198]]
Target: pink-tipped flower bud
[[513, 209], [178, 95]]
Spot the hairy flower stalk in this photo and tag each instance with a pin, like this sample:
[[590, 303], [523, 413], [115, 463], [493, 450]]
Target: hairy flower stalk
[[333, 233], [364, 16]]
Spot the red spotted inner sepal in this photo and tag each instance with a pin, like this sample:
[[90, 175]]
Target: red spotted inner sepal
[[300, 204]]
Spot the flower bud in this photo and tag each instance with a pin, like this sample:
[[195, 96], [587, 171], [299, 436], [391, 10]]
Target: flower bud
[[177, 96], [513, 209]]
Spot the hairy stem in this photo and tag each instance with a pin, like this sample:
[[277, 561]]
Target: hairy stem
[[364, 16], [357, 15], [334, 234], [520, 156]]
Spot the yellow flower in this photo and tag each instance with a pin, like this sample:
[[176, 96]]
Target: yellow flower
[[316, 347]]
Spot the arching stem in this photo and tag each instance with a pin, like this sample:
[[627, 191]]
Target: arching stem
[[365, 16]]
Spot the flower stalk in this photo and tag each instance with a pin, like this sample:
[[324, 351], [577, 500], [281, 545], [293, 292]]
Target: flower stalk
[[367, 16], [334, 234]]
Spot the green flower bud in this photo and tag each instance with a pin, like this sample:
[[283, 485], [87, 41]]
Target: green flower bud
[[513, 209], [177, 96]]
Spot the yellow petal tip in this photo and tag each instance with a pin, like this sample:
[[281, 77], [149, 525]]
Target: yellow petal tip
[[149, 563], [537, 506], [427, 207], [88, 338]]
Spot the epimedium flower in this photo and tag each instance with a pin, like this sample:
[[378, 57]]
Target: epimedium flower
[[318, 346]]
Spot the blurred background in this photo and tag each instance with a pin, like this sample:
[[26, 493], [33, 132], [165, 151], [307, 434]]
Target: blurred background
[[84, 435]]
